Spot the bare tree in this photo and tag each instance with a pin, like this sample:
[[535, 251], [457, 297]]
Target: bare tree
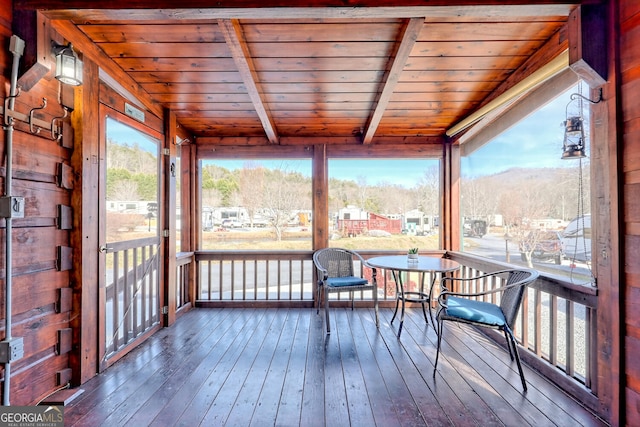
[[281, 200], [393, 198], [251, 189], [520, 208], [428, 191], [123, 190], [362, 191], [211, 197]]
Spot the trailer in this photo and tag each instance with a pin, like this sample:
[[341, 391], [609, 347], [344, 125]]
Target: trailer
[[356, 227]]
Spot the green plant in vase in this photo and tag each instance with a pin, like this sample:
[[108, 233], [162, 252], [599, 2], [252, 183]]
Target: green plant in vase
[[412, 254]]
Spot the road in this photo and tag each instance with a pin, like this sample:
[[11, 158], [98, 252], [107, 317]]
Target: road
[[493, 246]]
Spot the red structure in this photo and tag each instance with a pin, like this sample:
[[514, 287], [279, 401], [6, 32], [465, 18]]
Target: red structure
[[355, 227]]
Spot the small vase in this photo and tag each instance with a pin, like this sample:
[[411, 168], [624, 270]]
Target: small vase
[[412, 258]]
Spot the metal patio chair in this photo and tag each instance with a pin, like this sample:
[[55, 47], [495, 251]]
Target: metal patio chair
[[336, 273], [467, 308]]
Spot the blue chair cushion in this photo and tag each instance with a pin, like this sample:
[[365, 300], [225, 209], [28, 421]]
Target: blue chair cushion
[[475, 311], [346, 281]]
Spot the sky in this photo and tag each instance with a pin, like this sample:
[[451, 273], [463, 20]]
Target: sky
[[532, 143], [404, 172], [124, 134]]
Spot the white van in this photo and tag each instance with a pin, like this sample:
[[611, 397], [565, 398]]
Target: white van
[[576, 239]]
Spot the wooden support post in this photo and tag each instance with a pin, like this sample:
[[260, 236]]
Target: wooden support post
[[187, 212], [85, 235], [168, 217], [450, 198], [320, 184]]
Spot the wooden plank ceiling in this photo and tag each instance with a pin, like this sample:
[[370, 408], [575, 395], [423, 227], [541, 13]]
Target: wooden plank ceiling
[[290, 76]]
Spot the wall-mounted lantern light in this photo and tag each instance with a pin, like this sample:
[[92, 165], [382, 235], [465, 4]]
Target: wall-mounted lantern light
[[68, 65], [573, 146]]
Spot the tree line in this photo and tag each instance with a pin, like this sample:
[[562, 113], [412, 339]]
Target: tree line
[[514, 194]]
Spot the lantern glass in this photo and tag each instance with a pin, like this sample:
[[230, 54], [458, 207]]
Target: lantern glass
[[68, 67]]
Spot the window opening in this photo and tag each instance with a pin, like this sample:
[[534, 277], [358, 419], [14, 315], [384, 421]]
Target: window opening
[[525, 201]]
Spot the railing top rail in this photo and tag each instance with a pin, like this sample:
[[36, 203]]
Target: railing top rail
[[554, 285], [252, 255], [131, 244], [184, 258]]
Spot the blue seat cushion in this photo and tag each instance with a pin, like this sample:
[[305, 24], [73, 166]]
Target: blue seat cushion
[[346, 281], [475, 311]]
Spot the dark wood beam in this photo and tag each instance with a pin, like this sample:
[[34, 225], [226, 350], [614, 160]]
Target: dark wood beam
[[213, 151], [386, 151], [81, 10], [89, 50], [588, 53], [312, 140], [411, 31], [380, 151], [33, 28], [240, 51]]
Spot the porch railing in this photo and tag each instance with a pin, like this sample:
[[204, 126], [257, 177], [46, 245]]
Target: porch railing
[[183, 278], [254, 276], [558, 330], [131, 292]]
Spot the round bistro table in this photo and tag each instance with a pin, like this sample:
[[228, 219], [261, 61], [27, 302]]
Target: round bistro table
[[399, 264]]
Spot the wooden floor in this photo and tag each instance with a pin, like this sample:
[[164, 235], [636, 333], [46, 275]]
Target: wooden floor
[[263, 367]]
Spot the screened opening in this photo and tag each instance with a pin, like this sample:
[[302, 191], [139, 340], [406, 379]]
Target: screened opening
[[256, 204], [131, 182], [386, 204], [525, 201]]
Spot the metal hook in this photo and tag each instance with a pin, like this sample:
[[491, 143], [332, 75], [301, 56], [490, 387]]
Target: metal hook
[[8, 118], [54, 133], [44, 104], [574, 95]]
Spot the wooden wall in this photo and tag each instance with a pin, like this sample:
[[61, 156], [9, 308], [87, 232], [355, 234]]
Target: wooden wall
[[41, 240], [629, 89]]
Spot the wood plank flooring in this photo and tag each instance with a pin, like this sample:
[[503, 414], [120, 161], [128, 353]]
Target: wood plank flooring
[[265, 367]]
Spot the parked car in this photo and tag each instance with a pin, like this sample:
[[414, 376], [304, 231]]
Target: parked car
[[543, 246], [576, 239]]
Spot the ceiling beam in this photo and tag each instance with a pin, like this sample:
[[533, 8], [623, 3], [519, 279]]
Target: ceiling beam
[[82, 43], [411, 31], [207, 150], [34, 29], [240, 51], [82, 10], [237, 141], [588, 54]]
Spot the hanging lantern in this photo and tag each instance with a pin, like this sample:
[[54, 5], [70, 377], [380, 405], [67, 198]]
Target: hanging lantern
[[573, 145]]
